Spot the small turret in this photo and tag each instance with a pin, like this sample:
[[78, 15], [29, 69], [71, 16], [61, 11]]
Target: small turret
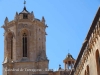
[[69, 62]]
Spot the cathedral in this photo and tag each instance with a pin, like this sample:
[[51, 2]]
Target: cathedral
[[25, 48]]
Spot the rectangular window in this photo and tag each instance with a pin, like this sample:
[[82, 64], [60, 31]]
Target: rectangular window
[[25, 16]]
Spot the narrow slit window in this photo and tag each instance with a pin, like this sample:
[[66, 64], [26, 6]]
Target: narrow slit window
[[24, 45], [97, 62], [11, 47]]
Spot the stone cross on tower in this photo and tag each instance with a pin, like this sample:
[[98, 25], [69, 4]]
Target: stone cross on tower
[[24, 2]]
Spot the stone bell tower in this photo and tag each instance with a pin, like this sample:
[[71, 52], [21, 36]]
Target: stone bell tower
[[69, 62], [24, 45]]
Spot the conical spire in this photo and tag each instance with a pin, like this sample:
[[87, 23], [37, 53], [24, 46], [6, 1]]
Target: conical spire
[[43, 19], [6, 20], [32, 15], [16, 16]]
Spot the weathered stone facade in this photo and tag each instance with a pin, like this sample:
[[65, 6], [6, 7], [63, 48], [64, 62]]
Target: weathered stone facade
[[24, 44], [88, 61]]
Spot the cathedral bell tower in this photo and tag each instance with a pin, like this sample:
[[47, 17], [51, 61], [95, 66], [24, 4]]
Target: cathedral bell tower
[[69, 62], [24, 45]]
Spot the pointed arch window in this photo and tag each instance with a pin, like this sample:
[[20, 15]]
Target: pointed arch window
[[85, 72], [98, 62], [88, 72], [10, 44], [24, 40]]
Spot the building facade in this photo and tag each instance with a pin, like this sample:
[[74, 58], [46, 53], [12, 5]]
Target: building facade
[[88, 61]]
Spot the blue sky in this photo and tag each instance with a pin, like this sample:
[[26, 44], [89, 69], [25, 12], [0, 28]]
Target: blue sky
[[68, 21]]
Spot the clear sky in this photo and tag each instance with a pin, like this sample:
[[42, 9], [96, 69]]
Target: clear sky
[[68, 21]]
